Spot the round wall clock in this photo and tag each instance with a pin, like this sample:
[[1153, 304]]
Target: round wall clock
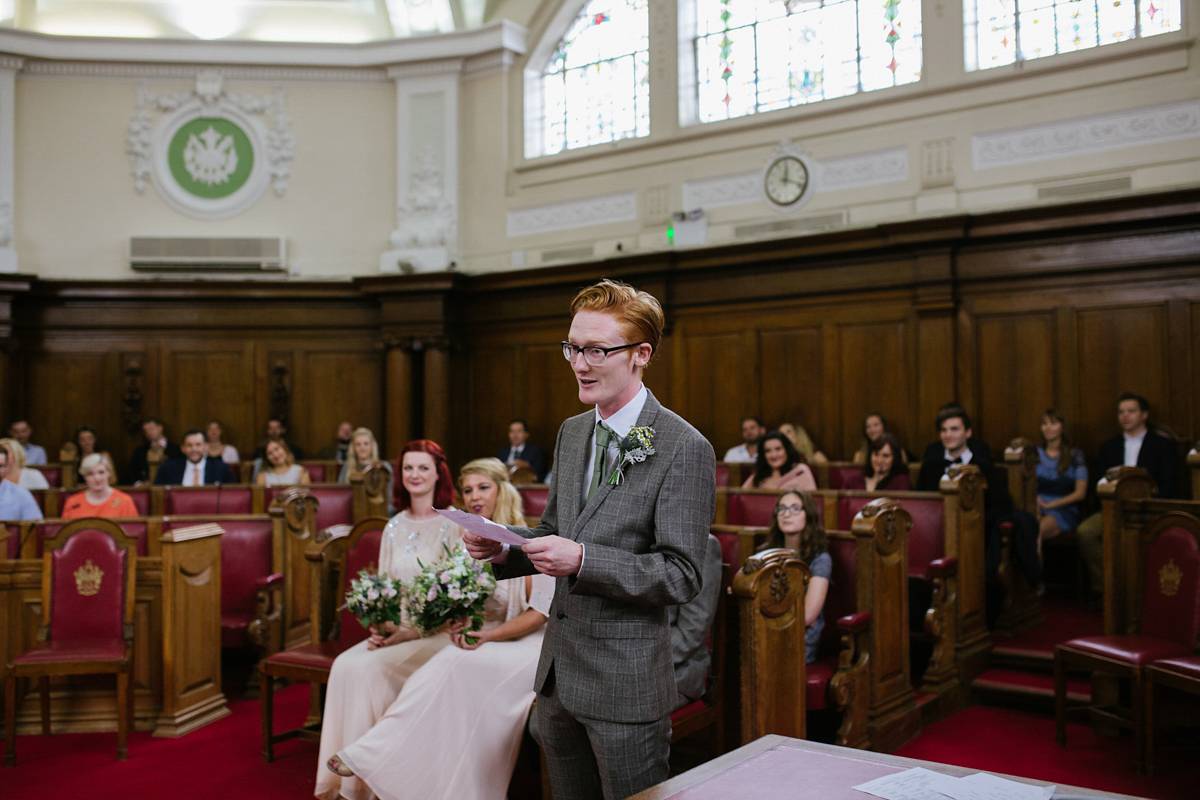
[[788, 178]]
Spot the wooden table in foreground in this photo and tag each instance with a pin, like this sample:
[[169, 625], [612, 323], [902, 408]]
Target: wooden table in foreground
[[782, 768]]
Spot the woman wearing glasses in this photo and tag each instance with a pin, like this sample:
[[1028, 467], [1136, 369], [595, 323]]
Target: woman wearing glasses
[[797, 527]]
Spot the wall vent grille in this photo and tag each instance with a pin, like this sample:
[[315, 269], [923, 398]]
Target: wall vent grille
[[781, 227], [569, 254], [205, 253], [1066, 191]]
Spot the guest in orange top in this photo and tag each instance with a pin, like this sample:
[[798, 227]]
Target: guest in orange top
[[100, 499]]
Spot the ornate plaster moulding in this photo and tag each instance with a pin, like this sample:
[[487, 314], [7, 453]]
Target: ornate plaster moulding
[[499, 36]]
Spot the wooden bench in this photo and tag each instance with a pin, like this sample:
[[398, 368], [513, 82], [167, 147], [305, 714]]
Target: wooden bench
[[1020, 606]]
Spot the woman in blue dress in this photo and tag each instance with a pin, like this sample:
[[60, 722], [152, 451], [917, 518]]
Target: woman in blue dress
[[1062, 477], [798, 527]]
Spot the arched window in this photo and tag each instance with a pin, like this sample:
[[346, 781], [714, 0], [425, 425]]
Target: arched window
[[761, 55], [595, 85], [999, 32]]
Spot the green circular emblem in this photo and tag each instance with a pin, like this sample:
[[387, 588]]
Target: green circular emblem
[[210, 157]]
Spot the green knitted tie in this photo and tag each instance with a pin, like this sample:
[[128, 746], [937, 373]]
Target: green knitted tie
[[603, 437]]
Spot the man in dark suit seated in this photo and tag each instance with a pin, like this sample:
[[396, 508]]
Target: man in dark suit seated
[[690, 626], [958, 446], [519, 449], [139, 465], [1135, 446], [195, 468], [277, 432], [341, 444]]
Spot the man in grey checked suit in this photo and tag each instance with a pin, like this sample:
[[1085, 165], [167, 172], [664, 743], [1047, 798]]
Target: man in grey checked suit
[[625, 542]]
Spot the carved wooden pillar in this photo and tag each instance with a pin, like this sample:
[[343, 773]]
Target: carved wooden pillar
[[10, 287], [398, 416], [371, 491], [293, 518], [1120, 545], [881, 530], [437, 391], [770, 589], [191, 654], [962, 495]]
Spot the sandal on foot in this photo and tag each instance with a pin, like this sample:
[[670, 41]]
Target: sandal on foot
[[335, 764]]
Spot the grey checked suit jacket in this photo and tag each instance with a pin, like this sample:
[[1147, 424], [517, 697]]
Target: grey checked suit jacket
[[644, 540]]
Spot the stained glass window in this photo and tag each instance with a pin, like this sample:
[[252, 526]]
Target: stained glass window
[[760, 55], [1000, 32], [596, 86]]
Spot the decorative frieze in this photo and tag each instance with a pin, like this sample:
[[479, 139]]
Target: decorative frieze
[[602, 210], [1152, 125], [864, 169]]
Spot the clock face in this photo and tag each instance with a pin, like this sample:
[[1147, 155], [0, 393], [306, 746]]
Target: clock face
[[786, 180]]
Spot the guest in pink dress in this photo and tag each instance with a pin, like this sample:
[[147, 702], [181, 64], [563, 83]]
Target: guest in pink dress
[[780, 466]]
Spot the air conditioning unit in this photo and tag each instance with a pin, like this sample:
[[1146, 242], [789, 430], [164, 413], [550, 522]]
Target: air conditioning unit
[[205, 253]]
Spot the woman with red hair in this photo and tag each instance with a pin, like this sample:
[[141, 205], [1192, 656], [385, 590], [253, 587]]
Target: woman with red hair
[[368, 677]]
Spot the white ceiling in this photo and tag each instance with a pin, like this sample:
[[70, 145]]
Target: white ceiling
[[247, 20]]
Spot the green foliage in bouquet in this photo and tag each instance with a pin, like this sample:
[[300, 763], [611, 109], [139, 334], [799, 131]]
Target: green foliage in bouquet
[[452, 587], [374, 598]]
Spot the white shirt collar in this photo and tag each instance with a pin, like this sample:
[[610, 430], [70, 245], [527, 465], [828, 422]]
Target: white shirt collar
[[965, 458], [1138, 438], [625, 418]]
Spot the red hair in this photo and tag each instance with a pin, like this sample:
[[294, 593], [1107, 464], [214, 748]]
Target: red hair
[[443, 492]]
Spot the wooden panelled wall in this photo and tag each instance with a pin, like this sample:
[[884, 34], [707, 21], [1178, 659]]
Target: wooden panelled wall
[[1010, 313]]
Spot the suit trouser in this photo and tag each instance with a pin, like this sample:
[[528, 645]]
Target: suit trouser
[[1090, 534], [590, 759]]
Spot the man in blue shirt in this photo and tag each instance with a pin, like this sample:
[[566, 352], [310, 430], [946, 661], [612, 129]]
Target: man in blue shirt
[[16, 502], [21, 431]]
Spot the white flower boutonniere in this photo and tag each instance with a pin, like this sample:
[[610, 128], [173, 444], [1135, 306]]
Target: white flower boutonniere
[[634, 448]]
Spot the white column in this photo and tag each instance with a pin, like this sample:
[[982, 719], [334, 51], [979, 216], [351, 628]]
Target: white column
[[8, 79], [426, 234]]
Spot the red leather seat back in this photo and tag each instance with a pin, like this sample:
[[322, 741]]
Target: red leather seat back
[[838, 473], [730, 553], [51, 472], [135, 529], [236, 469], [533, 500], [1171, 595], [926, 538], [364, 555], [39, 497], [141, 500], [246, 549], [317, 473], [722, 474], [751, 509], [842, 598], [13, 544], [87, 593], [192, 500], [335, 505]]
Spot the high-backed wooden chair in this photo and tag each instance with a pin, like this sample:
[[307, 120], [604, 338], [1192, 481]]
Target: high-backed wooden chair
[[1167, 626], [88, 575], [336, 555]]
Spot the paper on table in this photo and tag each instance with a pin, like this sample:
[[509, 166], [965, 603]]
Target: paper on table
[[481, 526], [917, 783], [985, 786]]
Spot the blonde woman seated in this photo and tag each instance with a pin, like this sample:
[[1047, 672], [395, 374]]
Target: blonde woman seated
[[804, 444], [364, 451], [797, 528], [17, 472], [280, 467], [470, 699], [100, 499], [367, 678], [779, 466]]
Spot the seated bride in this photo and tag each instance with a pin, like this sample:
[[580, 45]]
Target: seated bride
[[367, 678], [472, 698]]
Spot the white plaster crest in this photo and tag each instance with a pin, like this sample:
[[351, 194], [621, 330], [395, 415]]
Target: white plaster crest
[[147, 140], [1087, 135], [600, 210], [428, 218]]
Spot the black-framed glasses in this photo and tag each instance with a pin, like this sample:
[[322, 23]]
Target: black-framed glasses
[[783, 511], [592, 354]]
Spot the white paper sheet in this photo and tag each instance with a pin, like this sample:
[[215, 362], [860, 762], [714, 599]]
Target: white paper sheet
[[482, 527], [919, 783], [912, 784]]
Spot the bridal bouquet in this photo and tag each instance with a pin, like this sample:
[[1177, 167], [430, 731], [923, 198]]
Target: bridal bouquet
[[374, 598], [452, 587]]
